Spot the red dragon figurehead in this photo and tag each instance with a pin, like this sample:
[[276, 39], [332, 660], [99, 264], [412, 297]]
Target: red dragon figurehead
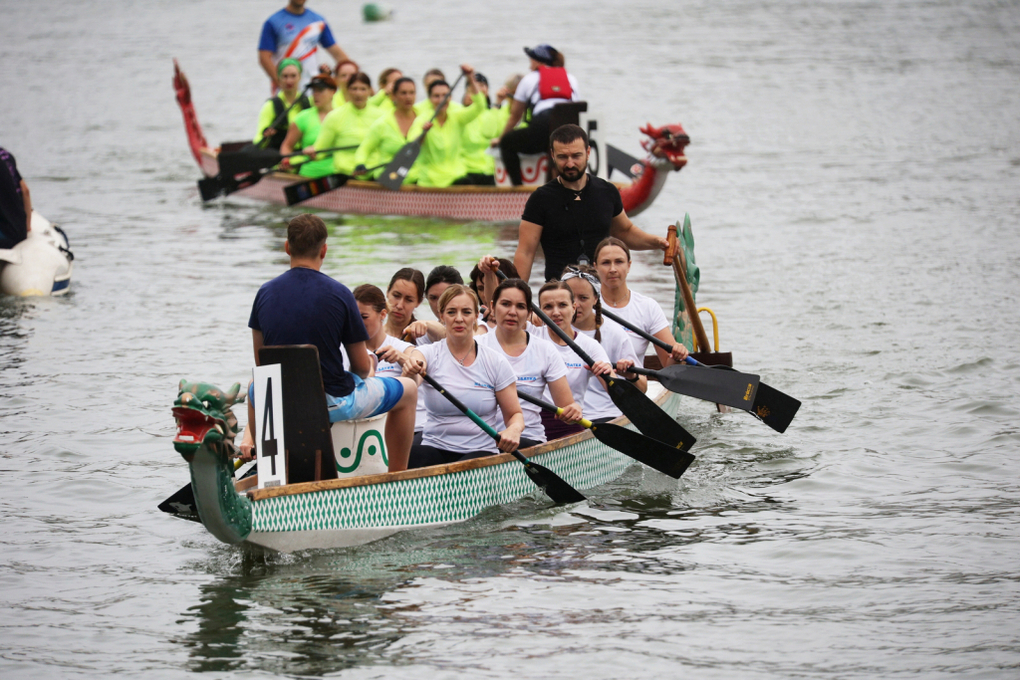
[[667, 142]]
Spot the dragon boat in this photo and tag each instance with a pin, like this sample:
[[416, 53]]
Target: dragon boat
[[664, 147], [326, 486], [40, 265]]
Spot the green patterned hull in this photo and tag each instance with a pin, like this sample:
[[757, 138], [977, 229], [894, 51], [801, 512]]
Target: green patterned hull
[[350, 512]]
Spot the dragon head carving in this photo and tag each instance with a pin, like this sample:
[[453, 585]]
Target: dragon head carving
[[204, 416], [667, 142]]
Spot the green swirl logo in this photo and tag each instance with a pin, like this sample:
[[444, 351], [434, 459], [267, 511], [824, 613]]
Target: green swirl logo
[[371, 443]]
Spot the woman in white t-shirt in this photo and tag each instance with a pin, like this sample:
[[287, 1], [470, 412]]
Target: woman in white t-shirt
[[536, 363], [478, 376], [556, 299], [598, 406], [612, 262], [390, 351]]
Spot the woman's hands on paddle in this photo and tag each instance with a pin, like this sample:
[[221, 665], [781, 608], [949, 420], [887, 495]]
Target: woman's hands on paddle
[[678, 353], [391, 355], [601, 368], [510, 438], [416, 329], [570, 414], [247, 446]]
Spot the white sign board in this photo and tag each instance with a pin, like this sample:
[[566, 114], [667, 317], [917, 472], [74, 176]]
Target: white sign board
[[269, 426]]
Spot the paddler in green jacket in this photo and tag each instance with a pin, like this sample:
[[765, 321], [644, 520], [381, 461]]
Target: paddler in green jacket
[[305, 130], [289, 74], [479, 165], [349, 124], [390, 133], [440, 163], [425, 108], [383, 99]]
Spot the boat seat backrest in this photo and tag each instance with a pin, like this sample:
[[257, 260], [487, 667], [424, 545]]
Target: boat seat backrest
[[306, 426]]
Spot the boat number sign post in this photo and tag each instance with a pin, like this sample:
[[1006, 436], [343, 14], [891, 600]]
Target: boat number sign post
[[272, 466]]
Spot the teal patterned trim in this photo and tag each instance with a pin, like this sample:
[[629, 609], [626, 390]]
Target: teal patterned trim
[[451, 497]]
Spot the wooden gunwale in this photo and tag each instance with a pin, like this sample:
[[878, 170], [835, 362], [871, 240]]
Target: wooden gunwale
[[432, 471]]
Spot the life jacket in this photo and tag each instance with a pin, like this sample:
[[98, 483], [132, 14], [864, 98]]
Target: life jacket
[[276, 140], [553, 83]]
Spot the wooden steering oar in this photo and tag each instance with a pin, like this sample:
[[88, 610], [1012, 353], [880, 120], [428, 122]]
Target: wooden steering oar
[[544, 478], [396, 170], [632, 402], [651, 452]]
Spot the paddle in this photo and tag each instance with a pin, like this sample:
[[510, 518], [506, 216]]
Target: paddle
[[397, 169], [182, 503], [547, 480], [632, 402], [253, 159], [651, 452], [732, 389], [302, 191]]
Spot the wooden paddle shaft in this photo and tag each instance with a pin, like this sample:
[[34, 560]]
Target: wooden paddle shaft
[[679, 263]]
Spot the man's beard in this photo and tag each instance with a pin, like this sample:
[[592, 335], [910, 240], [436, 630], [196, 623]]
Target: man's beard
[[572, 174]]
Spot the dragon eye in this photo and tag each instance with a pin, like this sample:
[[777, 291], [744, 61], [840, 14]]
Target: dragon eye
[[205, 403]]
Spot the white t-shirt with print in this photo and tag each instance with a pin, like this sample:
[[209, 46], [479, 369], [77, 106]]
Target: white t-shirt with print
[[475, 386], [597, 403], [537, 366], [577, 374], [385, 369], [643, 312]]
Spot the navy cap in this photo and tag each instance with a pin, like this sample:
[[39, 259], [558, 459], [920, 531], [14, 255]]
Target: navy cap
[[542, 53]]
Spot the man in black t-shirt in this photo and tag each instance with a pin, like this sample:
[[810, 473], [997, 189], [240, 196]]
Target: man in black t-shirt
[[572, 213]]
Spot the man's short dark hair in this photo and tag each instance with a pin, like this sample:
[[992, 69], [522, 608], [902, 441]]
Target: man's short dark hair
[[306, 234], [565, 134]]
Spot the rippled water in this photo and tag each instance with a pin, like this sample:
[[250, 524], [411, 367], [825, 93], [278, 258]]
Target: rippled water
[[853, 188]]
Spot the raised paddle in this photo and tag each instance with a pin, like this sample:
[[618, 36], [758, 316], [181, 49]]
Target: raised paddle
[[547, 480], [632, 402], [651, 452], [397, 169]]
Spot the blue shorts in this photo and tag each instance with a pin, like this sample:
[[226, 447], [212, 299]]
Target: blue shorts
[[369, 398]]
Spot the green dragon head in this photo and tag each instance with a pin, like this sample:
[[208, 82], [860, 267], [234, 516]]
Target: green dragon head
[[204, 416]]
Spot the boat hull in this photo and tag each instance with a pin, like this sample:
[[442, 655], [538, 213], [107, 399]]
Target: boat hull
[[38, 266], [353, 511]]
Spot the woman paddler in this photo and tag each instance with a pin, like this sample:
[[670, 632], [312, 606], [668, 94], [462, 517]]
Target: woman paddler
[[537, 364], [598, 406], [440, 163], [556, 299], [383, 98], [476, 140], [289, 74], [389, 133], [305, 130], [478, 376], [348, 125], [612, 262], [403, 296], [344, 70]]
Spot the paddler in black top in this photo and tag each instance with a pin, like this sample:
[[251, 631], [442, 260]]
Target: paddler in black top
[[571, 214]]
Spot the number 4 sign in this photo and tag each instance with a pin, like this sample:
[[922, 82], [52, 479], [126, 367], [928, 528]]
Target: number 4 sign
[[272, 467]]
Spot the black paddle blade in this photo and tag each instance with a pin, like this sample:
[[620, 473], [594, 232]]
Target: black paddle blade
[[647, 416], [302, 191], [248, 159], [775, 408], [651, 452], [554, 487], [210, 188], [731, 388], [181, 504], [396, 170]]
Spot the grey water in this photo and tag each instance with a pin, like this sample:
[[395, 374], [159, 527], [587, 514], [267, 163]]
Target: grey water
[[854, 187]]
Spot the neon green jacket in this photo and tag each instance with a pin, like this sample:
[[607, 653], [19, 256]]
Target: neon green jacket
[[382, 143], [440, 163], [346, 126], [476, 140], [268, 114], [381, 100], [308, 123]]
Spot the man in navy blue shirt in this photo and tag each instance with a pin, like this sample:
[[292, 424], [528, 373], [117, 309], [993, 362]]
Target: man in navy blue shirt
[[305, 306], [297, 33]]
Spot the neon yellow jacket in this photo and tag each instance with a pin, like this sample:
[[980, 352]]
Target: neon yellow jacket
[[440, 163], [268, 114], [382, 143], [346, 126], [381, 100], [476, 140], [308, 123]]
